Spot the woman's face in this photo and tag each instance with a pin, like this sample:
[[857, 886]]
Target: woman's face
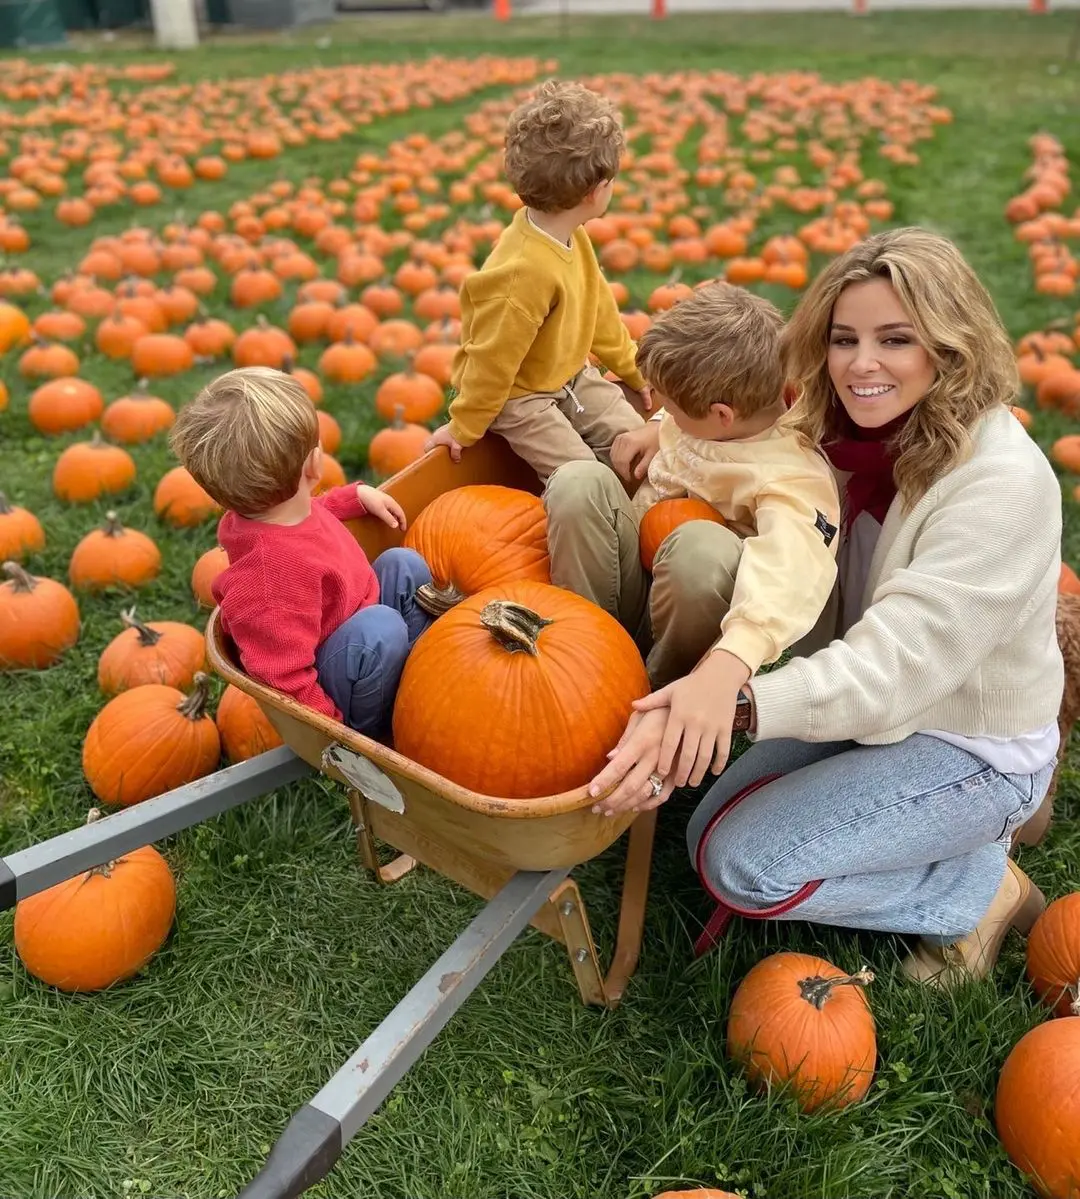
[[879, 368]]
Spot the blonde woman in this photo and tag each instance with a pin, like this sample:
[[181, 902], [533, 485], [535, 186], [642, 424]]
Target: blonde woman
[[892, 766]]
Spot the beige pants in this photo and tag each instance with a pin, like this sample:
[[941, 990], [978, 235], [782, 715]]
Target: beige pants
[[576, 424], [593, 543]]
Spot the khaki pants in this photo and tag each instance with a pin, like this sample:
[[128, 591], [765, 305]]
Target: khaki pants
[[593, 543], [576, 424]]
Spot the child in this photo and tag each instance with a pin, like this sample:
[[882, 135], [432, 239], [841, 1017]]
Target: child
[[309, 615], [750, 586], [539, 305]]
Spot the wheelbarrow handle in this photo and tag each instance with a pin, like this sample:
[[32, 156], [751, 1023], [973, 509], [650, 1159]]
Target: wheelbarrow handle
[[304, 1154]]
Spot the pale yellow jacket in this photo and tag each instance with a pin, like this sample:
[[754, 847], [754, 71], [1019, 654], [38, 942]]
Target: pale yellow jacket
[[530, 317], [781, 497]]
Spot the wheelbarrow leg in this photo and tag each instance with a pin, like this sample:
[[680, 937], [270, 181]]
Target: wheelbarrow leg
[[49, 862], [366, 848], [318, 1132], [595, 988]]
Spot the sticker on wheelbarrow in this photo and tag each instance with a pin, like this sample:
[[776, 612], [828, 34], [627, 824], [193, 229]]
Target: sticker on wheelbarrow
[[365, 776]]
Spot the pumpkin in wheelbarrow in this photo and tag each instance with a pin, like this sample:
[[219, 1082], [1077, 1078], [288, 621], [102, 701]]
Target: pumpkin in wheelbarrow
[[518, 691]]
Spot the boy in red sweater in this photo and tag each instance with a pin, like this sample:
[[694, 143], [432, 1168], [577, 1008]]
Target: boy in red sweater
[[307, 612]]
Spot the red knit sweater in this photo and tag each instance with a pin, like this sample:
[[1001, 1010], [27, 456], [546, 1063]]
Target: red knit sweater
[[288, 587]]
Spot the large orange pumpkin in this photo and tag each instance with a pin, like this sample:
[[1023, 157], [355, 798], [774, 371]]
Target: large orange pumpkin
[[1037, 1107], [519, 691], [162, 652], [663, 518], [1053, 954], [244, 729], [39, 620], [797, 1019], [100, 927], [148, 740], [479, 536]]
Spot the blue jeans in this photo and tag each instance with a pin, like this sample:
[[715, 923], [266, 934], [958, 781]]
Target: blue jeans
[[359, 665], [908, 838]]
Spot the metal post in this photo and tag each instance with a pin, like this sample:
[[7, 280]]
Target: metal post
[[175, 26], [49, 862], [314, 1138]]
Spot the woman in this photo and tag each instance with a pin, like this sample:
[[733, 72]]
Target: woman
[[912, 746]]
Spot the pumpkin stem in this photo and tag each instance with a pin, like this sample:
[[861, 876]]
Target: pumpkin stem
[[436, 599], [817, 990], [287, 364], [398, 423], [5, 507], [112, 526], [95, 442], [105, 869], [513, 626], [21, 580], [141, 388], [194, 706], [147, 635], [1074, 1007]]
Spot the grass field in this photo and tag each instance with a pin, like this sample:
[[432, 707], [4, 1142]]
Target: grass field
[[285, 955]]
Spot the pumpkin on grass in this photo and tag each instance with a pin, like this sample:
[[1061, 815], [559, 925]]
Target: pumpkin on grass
[[100, 927], [244, 729], [63, 405], [137, 417], [478, 536], [39, 620], [113, 556], [394, 448], [1037, 1107], [1053, 955], [663, 518], [206, 570], [20, 531], [798, 1020], [547, 676], [148, 740], [180, 501], [90, 469], [165, 651]]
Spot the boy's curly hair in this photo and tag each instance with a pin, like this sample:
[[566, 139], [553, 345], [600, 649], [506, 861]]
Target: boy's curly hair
[[562, 142]]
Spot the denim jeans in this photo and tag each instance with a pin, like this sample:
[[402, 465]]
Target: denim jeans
[[359, 665], [908, 838]]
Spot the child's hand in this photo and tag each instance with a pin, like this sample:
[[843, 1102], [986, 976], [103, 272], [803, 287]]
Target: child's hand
[[631, 453], [646, 397], [379, 504], [441, 436]]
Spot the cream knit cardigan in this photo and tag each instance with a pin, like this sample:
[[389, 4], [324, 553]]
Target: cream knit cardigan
[[958, 630]]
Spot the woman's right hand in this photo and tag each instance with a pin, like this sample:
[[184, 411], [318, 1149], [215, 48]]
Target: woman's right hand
[[633, 760]]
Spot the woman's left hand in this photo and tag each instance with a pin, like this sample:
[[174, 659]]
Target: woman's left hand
[[701, 711], [632, 763]]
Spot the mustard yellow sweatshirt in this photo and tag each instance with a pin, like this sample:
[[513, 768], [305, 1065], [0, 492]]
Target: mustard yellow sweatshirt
[[529, 319], [781, 497]]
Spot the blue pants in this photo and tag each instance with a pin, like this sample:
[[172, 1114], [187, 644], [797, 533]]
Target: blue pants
[[360, 663], [908, 838]]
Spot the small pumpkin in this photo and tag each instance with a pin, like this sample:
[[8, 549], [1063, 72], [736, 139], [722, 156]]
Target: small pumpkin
[[180, 501], [149, 740], [137, 417], [1037, 1107], [90, 469], [347, 361], [159, 354], [418, 395], [39, 620], [63, 405], [394, 448], [20, 531], [162, 652], [100, 927], [113, 556], [14, 327], [798, 1020], [1053, 954], [206, 570], [478, 536], [244, 729], [664, 517], [1066, 452], [548, 675], [263, 345]]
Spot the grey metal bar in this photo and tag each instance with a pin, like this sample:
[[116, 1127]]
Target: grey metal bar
[[318, 1132], [49, 862]]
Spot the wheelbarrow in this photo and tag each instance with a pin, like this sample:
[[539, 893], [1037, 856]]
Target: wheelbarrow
[[516, 853]]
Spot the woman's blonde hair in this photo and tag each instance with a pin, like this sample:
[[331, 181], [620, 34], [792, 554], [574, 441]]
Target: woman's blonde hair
[[955, 321]]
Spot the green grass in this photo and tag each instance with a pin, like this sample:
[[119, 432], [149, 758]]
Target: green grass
[[285, 955]]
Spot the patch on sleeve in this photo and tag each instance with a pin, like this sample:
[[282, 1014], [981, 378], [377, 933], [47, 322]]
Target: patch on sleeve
[[827, 530]]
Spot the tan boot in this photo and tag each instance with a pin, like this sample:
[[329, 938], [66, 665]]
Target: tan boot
[[1017, 904]]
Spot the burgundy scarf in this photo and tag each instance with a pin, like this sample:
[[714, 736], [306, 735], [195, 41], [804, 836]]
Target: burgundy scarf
[[869, 454]]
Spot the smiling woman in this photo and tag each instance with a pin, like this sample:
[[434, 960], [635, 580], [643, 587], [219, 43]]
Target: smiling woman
[[893, 766]]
